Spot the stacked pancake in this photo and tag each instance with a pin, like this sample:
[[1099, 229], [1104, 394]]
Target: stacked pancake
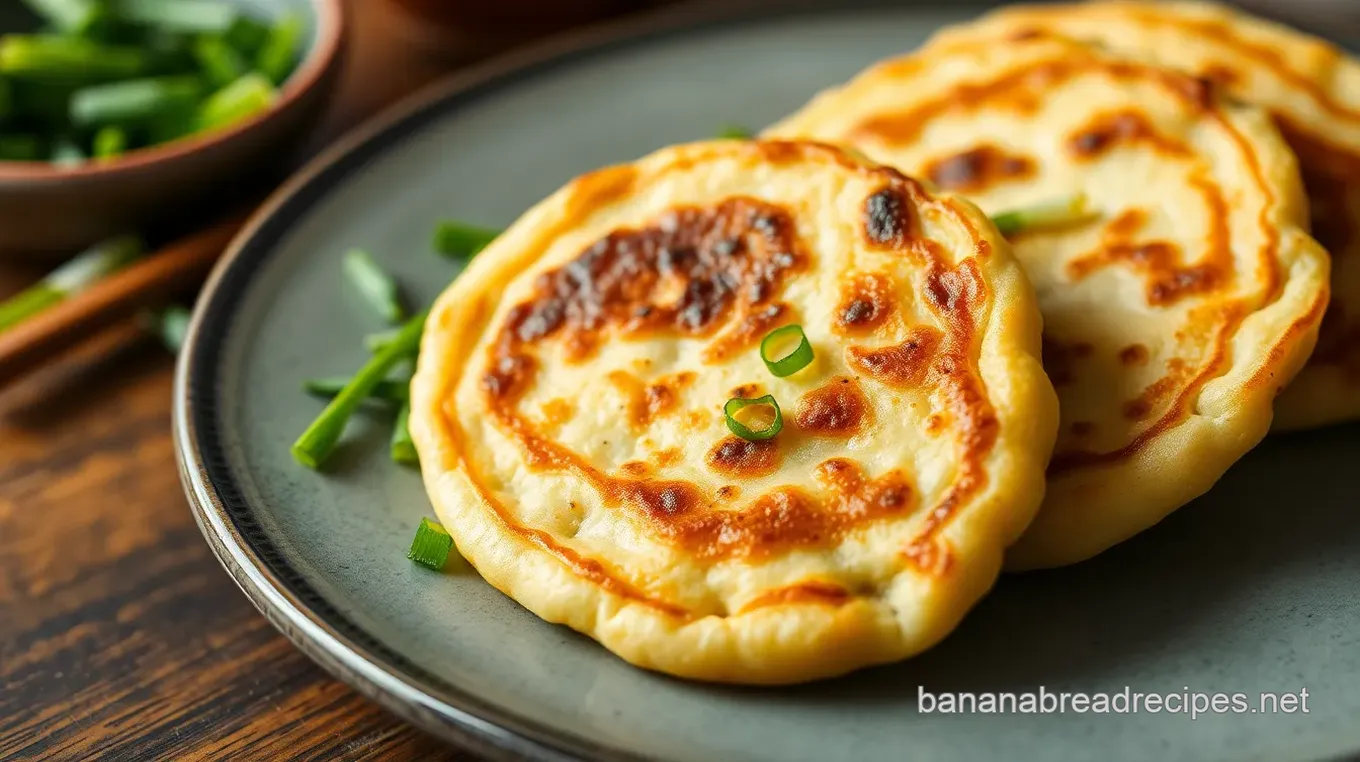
[[1114, 188]]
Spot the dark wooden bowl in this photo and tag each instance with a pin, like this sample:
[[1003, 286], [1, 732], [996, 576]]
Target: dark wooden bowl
[[50, 211]]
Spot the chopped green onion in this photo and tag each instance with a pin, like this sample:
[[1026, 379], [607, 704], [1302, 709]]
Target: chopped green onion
[[1068, 211], [239, 100], [320, 438], [65, 153], [403, 449], [376, 342], [795, 360], [16, 146], [387, 390], [459, 239], [69, 59], [377, 287], [110, 142], [76, 17], [179, 15], [134, 101], [172, 324], [75, 276], [735, 132], [737, 404], [27, 303], [219, 61], [279, 52], [247, 36], [431, 546]]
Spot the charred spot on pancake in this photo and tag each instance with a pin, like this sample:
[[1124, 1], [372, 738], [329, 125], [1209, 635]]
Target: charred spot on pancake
[[790, 517], [735, 456], [956, 291], [887, 217], [729, 492], [1166, 279], [748, 331], [934, 424], [508, 376], [1134, 354], [903, 364], [748, 391], [660, 499], [1221, 74], [930, 555], [646, 402], [1026, 34], [1120, 128], [866, 303], [836, 409], [978, 169], [635, 468], [688, 255]]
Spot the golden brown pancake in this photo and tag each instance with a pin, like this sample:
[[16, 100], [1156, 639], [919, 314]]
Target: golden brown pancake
[[1311, 89], [1173, 314], [568, 411]]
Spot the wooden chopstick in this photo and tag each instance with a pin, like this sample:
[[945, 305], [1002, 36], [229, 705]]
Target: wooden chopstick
[[172, 269]]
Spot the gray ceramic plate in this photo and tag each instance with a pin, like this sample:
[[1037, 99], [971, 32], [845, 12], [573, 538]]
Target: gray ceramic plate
[[1255, 587]]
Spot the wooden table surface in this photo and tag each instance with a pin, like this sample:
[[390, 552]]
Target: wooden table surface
[[120, 635]]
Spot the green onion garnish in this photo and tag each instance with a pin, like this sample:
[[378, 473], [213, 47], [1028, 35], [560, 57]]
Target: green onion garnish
[[736, 404], [247, 96], [221, 63], [279, 51], [70, 16], [792, 362], [247, 36], [387, 390], [376, 342], [171, 324], [75, 276], [65, 153], [459, 239], [110, 142], [403, 449], [1068, 211], [68, 59], [376, 286], [319, 440], [134, 101], [431, 546], [178, 15], [735, 132]]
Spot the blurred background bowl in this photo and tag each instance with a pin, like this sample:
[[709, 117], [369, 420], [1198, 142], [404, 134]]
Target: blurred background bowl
[[48, 211]]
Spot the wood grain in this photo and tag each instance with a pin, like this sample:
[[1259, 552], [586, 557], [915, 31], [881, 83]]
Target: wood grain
[[120, 635]]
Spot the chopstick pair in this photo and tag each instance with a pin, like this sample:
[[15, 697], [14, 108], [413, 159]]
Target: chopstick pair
[[174, 268]]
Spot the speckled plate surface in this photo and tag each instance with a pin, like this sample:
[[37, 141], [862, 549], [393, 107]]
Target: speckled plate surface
[[1256, 587]]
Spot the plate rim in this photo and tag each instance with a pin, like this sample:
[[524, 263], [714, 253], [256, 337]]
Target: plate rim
[[220, 510]]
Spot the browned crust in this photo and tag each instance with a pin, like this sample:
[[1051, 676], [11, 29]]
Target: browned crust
[[678, 513], [1166, 280]]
